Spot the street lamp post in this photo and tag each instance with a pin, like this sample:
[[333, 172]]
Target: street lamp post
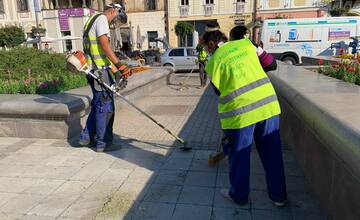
[[254, 21], [36, 10]]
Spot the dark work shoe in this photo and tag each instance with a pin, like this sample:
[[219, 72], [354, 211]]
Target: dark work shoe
[[280, 203], [112, 147], [226, 195], [99, 149], [84, 142]]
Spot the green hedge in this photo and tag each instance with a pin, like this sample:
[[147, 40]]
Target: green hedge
[[30, 71]]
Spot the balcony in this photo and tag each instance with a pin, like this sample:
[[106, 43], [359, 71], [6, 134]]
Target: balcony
[[240, 7], [209, 9], [184, 11]]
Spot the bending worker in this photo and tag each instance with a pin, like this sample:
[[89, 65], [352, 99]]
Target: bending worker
[[99, 126], [248, 110]]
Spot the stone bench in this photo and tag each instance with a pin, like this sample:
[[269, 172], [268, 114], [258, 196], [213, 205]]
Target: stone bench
[[60, 116], [321, 122]]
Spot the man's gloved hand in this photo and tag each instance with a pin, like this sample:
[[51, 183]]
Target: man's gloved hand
[[124, 69], [121, 81]]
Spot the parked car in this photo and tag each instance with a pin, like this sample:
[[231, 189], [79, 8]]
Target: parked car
[[181, 58]]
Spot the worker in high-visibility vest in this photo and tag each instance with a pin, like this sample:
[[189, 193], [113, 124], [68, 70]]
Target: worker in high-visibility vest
[[103, 61], [202, 59], [249, 110]]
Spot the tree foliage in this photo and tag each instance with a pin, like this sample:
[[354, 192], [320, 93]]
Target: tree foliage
[[11, 36], [182, 28], [337, 12], [39, 30]]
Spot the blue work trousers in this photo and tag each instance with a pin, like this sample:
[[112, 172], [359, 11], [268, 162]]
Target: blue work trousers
[[267, 139], [99, 125]]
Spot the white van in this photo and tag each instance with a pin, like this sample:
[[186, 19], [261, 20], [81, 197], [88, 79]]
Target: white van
[[290, 39]]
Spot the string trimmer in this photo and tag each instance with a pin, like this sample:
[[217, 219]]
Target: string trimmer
[[76, 62]]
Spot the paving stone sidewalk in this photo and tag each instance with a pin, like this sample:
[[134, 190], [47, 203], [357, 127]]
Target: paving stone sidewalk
[[148, 177]]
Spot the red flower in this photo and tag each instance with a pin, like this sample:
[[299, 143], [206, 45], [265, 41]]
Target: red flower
[[350, 69], [320, 62]]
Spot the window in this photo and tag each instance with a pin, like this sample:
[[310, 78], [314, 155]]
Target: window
[[184, 2], [300, 2], [22, 5], [274, 3], [190, 52], [152, 35], [68, 44], [177, 53], [240, 6], [2, 11], [150, 5], [208, 2]]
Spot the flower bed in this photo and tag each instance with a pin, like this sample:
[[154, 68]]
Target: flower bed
[[30, 71], [346, 70]]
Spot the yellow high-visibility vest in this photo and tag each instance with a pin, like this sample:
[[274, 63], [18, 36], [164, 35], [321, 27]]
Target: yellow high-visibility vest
[[247, 95], [202, 55], [92, 46]]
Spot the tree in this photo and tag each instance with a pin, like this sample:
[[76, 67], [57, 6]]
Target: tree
[[38, 31], [337, 12], [11, 36], [182, 30]]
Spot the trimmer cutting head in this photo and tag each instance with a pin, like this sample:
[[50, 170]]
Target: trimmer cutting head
[[185, 146]]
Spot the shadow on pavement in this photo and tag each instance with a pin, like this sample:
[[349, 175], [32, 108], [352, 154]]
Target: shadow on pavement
[[160, 158]]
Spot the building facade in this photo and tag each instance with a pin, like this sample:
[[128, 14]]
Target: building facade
[[62, 19], [290, 9], [227, 13], [146, 23]]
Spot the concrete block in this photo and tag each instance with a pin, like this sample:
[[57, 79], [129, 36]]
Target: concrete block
[[21, 204], [344, 195], [259, 214], [84, 208], [230, 214], [222, 180], [195, 195], [177, 164], [148, 210], [191, 212], [163, 193], [195, 178], [53, 205], [171, 177]]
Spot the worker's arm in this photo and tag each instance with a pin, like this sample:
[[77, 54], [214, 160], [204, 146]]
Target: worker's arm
[[105, 46], [118, 65]]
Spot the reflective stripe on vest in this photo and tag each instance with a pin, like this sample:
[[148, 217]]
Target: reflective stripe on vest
[[247, 95], [243, 90], [91, 45]]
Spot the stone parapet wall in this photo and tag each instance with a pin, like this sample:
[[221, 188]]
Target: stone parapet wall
[[321, 122], [62, 115]]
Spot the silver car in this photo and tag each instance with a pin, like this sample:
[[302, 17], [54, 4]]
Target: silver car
[[181, 58]]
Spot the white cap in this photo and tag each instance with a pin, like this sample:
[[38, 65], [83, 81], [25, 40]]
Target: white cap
[[114, 5]]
